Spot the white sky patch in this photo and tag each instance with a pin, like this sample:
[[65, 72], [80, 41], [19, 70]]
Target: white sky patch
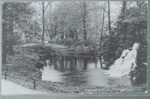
[[115, 8]]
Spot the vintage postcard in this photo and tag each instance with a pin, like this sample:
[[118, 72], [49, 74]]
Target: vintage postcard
[[77, 47]]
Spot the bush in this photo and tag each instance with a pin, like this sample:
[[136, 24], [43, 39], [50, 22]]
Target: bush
[[138, 76]]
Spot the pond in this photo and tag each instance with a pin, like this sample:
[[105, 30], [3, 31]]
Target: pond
[[77, 71]]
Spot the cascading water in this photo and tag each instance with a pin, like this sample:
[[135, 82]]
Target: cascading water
[[123, 65]]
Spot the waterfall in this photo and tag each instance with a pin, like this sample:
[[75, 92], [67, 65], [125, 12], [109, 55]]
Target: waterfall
[[123, 65]]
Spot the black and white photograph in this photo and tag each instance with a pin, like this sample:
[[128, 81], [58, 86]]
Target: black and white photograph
[[74, 47]]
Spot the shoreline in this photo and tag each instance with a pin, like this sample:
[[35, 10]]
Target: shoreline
[[64, 89]]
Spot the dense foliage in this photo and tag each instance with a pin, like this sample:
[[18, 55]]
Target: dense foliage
[[131, 27], [16, 20]]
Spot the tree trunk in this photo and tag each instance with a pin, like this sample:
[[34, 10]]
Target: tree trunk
[[43, 21], [4, 43], [123, 15], [84, 20], [102, 29], [7, 29], [124, 7], [55, 29], [109, 19]]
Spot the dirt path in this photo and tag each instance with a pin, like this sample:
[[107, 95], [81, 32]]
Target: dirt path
[[10, 88]]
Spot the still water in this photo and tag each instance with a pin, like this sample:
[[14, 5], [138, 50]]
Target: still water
[[75, 71]]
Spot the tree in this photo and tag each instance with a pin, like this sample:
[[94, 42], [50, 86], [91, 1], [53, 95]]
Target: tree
[[67, 20], [77, 20], [101, 35], [131, 28], [109, 19], [32, 32], [84, 18], [43, 21], [14, 15], [110, 43]]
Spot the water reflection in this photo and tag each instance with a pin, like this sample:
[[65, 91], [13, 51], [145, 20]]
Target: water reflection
[[50, 74], [75, 71], [96, 76]]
